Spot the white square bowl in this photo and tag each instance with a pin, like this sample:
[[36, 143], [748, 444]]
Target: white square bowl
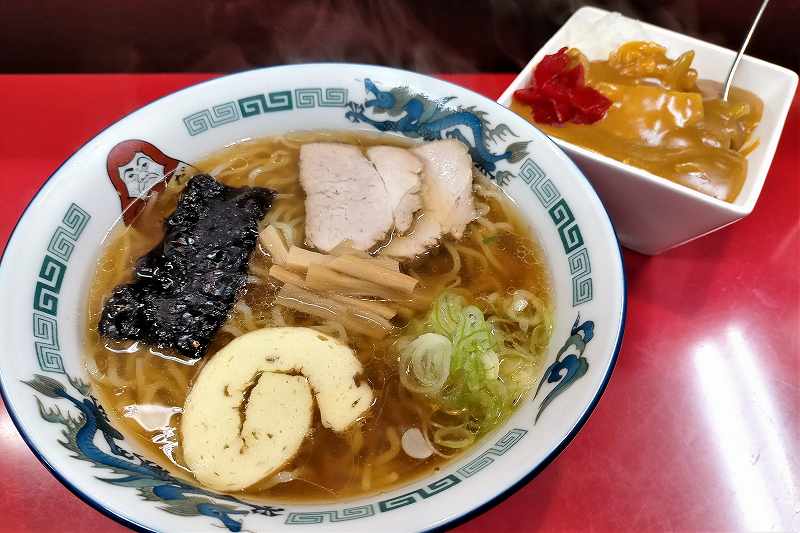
[[652, 214]]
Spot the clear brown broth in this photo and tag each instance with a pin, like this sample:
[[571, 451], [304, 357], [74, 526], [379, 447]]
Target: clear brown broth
[[329, 466]]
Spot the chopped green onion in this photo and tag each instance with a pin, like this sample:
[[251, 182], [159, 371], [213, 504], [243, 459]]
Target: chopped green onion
[[425, 363], [473, 365]]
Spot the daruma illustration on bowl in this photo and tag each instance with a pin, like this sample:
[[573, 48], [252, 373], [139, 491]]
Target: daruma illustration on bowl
[[330, 297]]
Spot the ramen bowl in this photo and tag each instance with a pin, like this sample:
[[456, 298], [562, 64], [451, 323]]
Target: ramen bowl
[[50, 259], [652, 214]]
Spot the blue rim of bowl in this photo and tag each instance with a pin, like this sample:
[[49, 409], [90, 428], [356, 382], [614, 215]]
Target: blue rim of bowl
[[449, 522]]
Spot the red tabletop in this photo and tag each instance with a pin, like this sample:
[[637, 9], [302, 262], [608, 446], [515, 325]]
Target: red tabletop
[[699, 428]]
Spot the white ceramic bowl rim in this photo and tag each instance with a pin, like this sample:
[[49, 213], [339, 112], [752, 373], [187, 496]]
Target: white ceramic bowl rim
[[452, 521]]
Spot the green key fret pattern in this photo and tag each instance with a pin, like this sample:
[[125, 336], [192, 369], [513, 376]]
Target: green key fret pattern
[[569, 231], [48, 286], [336, 515], [203, 120]]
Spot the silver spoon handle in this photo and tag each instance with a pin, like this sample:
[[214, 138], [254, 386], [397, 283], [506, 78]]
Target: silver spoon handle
[[729, 80]]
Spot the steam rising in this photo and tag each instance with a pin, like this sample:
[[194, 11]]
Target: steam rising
[[371, 31], [423, 35]]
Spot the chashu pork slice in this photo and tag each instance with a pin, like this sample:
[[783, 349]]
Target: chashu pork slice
[[251, 406], [446, 196], [400, 171], [425, 234], [447, 186], [346, 199]]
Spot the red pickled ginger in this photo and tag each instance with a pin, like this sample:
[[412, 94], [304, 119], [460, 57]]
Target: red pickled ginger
[[559, 93]]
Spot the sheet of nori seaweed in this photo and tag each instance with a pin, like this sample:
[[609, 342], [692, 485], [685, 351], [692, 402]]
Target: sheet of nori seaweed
[[184, 288]]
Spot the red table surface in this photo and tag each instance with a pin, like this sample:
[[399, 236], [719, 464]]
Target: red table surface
[[699, 428]]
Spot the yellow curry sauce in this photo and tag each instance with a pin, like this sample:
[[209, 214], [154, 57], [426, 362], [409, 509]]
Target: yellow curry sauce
[[664, 120]]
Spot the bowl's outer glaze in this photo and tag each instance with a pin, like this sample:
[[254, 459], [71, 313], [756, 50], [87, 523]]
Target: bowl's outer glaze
[[49, 261], [652, 214]]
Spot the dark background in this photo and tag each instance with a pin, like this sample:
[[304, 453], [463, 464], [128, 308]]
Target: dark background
[[434, 35]]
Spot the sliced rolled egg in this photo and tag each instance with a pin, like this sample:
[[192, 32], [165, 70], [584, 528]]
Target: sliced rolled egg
[[251, 406]]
